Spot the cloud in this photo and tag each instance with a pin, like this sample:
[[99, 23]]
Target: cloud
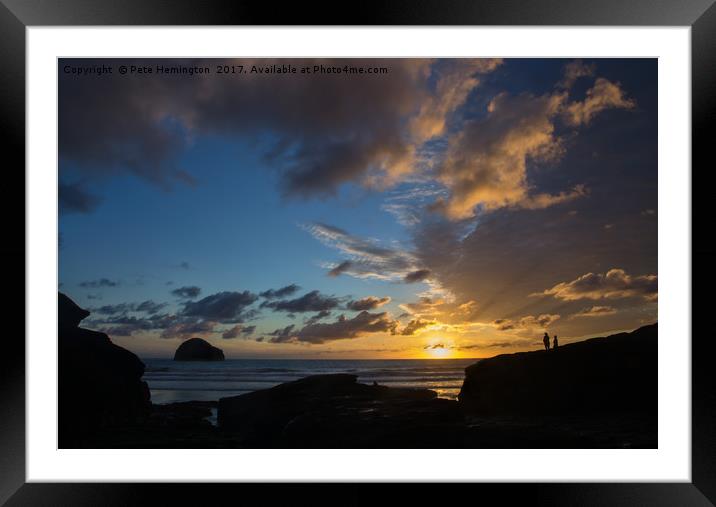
[[148, 306], [226, 307], [313, 301], [466, 311], [121, 330], [541, 201], [367, 303], [380, 137], [340, 268], [575, 70], [238, 330], [232, 332], [72, 198], [615, 284], [125, 325], [342, 329], [603, 95], [151, 119], [113, 309], [282, 335], [408, 206], [595, 311], [458, 79], [425, 307], [317, 317], [187, 292], [95, 284], [486, 163], [501, 344], [171, 325], [528, 322], [437, 346], [415, 326], [288, 290], [368, 258], [417, 276], [187, 329]]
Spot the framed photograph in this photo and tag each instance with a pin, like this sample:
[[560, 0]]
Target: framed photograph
[[426, 245]]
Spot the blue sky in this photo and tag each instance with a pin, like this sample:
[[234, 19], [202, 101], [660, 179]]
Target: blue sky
[[523, 193]]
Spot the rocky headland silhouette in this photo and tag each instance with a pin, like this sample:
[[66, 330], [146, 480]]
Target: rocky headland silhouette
[[99, 383], [617, 373]]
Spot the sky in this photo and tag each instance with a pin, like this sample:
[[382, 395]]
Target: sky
[[381, 208]]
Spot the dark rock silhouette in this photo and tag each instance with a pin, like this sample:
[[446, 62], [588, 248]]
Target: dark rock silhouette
[[616, 373], [600, 393], [69, 315], [99, 383], [336, 411], [196, 349]]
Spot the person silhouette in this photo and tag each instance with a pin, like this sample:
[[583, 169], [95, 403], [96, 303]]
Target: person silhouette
[[545, 340], [555, 343]]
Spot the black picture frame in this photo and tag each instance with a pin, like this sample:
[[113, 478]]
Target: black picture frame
[[16, 15]]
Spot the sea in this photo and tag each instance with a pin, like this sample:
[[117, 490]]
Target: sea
[[175, 381]]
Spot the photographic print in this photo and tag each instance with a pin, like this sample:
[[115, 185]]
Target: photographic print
[[357, 253]]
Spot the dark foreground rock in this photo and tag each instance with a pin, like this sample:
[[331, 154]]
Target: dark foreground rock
[[99, 383], [182, 425], [187, 426], [600, 393], [196, 349], [336, 411], [612, 375]]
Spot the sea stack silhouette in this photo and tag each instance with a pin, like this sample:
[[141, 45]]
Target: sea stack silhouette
[[196, 349], [100, 383]]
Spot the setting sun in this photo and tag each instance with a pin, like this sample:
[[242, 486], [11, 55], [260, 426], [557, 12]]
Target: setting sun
[[438, 348], [439, 353]]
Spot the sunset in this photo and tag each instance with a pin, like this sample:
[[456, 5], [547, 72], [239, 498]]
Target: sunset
[[391, 219], [482, 201]]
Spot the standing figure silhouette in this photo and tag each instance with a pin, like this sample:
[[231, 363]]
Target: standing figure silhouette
[[545, 340], [555, 343]]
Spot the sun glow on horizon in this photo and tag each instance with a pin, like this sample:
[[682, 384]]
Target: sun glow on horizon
[[438, 348]]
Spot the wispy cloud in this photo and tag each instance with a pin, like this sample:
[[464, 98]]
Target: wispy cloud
[[187, 292], [367, 258], [595, 311], [100, 283]]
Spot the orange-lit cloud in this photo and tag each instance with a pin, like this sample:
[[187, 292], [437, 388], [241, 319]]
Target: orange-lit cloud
[[603, 95], [452, 88], [614, 284], [528, 322], [595, 311], [575, 70], [416, 325], [486, 162]]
